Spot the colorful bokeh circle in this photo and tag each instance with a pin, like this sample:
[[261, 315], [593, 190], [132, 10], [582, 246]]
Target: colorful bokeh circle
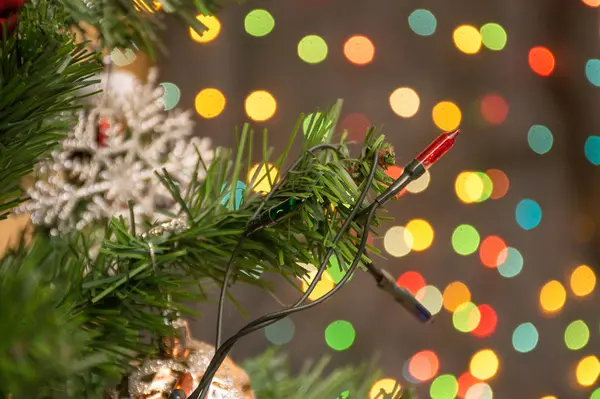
[[422, 22]]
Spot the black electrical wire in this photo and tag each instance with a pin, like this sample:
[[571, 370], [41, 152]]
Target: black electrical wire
[[229, 267], [269, 319], [266, 320]]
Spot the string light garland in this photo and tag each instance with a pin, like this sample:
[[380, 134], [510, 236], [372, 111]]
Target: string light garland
[[416, 168]]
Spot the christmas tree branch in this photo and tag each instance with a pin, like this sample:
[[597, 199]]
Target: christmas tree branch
[[41, 71], [111, 298], [272, 378]]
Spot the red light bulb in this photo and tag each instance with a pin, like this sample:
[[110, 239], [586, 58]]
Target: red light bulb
[[437, 149]]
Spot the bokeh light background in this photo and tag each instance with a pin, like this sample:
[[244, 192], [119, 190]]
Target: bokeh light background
[[500, 240]]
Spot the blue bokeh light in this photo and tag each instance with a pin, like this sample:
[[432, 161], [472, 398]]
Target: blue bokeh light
[[510, 262], [592, 71], [239, 194], [525, 337], [540, 139], [422, 22], [592, 149], [528, 214]]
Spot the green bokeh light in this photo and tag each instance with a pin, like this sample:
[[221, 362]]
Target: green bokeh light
[[312, 49], [444, 387], [493, 36], [595, 394], [465, 239], [344, 395], [488, 186], [577, 335], [313, 123], [334, 270], [340, 335], [259, 23], [466, 317]]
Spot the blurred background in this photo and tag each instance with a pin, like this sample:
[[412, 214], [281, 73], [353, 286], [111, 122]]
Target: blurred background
[[501, 241]]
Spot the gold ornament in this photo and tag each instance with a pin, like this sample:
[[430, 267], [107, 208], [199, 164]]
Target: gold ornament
[[182, 367]]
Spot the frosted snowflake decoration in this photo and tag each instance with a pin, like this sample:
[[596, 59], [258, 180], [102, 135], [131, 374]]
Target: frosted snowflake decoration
[[111, 156]]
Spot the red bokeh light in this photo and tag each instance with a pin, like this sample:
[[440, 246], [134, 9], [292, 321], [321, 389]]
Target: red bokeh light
[[488, 322], [465, 381], [541, 61], [356, 125], [412, 281], [494, 109], [394, 172]]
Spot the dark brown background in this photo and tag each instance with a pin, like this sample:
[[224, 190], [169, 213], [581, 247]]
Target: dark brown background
[[563, 182]]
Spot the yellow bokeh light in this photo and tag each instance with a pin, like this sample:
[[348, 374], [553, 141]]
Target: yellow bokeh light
[[122, 57], [422, 234], [583, 280], [431, 298], [416, 186], [209, 103], [455, 294], [398, 241], [446, 115], [213, 28], [469, 187], [263, 179], [466, 317], [553, 296], [325, 284], [467, 39], [405, 102], [484, 364], [549, 397], [587, 371], [384, 386], [260, 105], [142, 6]]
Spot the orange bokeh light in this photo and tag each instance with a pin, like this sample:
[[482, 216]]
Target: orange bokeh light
[[359, 50], [424, 365], [500, 183], [591, 3], [492, 251]]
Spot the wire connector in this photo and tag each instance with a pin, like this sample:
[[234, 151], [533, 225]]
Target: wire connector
[[405, 298]]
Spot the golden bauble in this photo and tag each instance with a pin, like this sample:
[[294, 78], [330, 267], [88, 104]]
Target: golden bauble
[[182, 368]]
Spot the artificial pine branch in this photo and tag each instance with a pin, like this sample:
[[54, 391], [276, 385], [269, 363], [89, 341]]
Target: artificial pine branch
[[272, 379], [113, 298], [41, 71]]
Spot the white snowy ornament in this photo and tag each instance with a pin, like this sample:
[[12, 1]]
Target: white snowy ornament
[[111, 156]]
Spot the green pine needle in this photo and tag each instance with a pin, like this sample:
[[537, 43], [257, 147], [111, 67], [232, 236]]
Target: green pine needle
[[41, 72], [106, 303]]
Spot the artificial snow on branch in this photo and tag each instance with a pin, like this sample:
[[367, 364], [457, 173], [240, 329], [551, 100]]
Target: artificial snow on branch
[[111, 157]]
